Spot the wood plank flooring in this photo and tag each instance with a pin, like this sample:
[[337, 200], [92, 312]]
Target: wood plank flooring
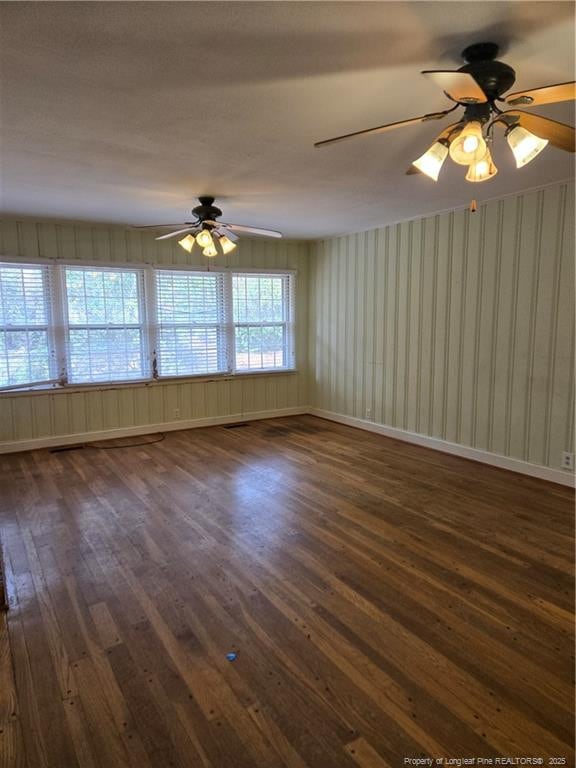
[[384, 601]]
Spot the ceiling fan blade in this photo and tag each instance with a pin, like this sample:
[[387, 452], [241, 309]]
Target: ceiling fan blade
[[549, 94], [173, 234], [229, 234], [383, 128], [459, 86], [248, 230], [558, 134], [445, 134], [162, 226]]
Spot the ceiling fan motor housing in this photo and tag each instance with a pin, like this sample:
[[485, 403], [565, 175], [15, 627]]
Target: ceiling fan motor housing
[[494, 77], [206, 211]]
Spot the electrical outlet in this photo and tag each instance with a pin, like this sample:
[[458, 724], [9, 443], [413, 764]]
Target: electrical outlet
[[176, 413], [368, 413], [567, 461]]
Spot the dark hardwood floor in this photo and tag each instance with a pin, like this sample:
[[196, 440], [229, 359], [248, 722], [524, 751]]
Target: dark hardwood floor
[[384, 601]]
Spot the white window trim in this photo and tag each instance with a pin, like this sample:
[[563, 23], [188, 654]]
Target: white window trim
[[47, 327], [218, 325], [58, 328], [143, 264], [287, 324], [142, 326]]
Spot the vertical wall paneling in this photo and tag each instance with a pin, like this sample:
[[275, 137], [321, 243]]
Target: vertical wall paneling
[[458, 326], [51, 414]]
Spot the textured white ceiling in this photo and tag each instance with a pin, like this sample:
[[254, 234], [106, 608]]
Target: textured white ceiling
[[126, 112]]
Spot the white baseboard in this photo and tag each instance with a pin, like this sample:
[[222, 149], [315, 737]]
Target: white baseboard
[[466, 452], [14, 446]]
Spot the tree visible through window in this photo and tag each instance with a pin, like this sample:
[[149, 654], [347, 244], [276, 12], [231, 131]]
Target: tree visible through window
[[105, 325], [73, 324], [261, 321], [26, 354]]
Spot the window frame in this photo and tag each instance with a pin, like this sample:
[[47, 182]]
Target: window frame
[[287, 324], [220, 327], [48, 327], [58, 328], [143, 326]]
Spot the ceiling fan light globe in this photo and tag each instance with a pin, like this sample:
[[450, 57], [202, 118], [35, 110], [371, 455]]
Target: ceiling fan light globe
[[432, 160], [204, 239], [482, 169], [210, 251], [187, 243], [525, 145], [226, 244], [468, 144]]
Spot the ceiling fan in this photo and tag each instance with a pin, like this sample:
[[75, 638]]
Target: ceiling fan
[[206, 232], [477, 87]]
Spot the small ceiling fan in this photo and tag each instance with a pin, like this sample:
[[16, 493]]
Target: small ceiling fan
[[476, 87], [207, 232]]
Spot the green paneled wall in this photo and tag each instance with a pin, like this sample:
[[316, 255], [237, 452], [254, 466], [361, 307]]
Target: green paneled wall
[[26, 417], [458, 326]]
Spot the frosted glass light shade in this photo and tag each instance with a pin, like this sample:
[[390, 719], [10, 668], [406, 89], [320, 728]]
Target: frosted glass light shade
[[468, 144], [187, 243], [482, 169], [433, 159], [210, 251], [226, 244], [204, 239], [524, 145]]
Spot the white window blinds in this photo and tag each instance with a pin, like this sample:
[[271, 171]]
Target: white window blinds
[[190, 314], [106, 328], [263, 324], [26, 341], [73, 324]]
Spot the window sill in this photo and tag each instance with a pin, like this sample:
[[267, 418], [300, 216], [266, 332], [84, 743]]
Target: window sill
[[74, 388]]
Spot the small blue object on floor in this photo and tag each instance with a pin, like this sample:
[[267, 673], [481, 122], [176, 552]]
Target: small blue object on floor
[[231, 656]]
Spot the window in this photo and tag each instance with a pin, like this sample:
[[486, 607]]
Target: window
[[191, 328], [26, 345], [262, 321], [106, 337], [77, 324]]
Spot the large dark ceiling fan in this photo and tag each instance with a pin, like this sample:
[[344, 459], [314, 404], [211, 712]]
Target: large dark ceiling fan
[[207, 232], [478, 87]]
